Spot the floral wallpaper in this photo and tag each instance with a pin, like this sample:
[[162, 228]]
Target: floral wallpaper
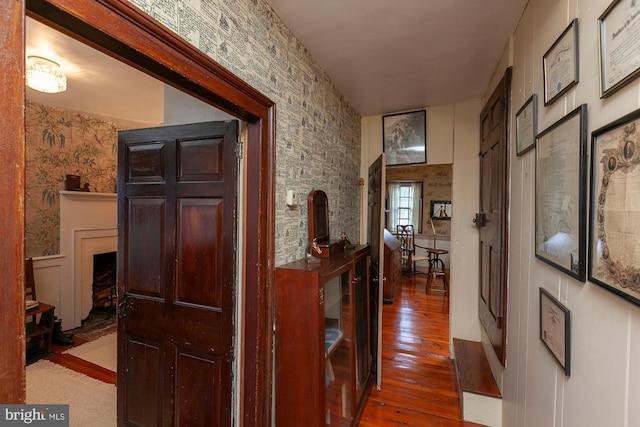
[[59, 143]]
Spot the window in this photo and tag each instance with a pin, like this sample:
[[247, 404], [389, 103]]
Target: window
[[404, 204]]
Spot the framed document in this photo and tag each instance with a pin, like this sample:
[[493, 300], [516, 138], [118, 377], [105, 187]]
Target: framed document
[[618, 29], [404, 137], [560, 64], [561, 178], [527, 125], [614, 244], [555, 329]]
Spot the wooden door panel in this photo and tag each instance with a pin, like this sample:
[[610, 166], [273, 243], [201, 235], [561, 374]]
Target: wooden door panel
[[199, 222], [146, 163], [203, 373], [142, 374], [179, 203], [200, 160], [145, 227]]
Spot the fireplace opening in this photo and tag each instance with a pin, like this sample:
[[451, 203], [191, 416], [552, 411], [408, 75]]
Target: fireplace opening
[[104, 280]]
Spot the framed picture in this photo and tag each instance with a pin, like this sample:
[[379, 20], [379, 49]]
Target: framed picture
[[555, 329], [441, 209], [560, 64], [404, 137], [614, 243], [561, 178], [527, 125], [619, 45]]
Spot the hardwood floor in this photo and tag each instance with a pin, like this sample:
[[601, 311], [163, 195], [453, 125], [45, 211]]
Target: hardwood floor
[[418, 379]]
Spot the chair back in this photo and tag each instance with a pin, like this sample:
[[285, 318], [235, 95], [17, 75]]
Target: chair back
[[29, 280], [405, 234]]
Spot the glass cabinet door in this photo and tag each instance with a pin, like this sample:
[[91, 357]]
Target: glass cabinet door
[[338, 351]]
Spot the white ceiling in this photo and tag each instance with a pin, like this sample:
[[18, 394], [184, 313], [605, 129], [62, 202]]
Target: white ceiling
[[384, 56], [96, 83], [393, 55]]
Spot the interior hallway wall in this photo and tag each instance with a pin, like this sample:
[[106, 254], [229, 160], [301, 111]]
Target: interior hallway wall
[[604, 385], [317, 129]]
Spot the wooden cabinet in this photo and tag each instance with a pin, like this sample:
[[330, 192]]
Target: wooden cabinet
[[392, 267], [322, 341]]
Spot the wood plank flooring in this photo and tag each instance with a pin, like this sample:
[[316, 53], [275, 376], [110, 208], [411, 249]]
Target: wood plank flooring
[[418, 377]]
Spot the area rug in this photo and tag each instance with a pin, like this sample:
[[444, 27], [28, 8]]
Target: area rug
[[91, 402], [102, 351]]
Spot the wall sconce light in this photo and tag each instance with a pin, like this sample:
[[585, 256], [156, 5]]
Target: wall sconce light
[[45, 75]]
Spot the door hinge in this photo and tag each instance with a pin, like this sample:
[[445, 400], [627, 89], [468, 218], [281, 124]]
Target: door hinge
[[321, 296], [239, 149]]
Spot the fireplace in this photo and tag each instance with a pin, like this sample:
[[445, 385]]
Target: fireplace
[[88, 227], [104, 280]]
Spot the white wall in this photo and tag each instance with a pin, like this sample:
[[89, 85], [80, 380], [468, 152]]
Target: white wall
[[604, 385], [452, 137]]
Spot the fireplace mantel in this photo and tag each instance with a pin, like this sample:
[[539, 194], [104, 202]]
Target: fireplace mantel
[[87, 196]]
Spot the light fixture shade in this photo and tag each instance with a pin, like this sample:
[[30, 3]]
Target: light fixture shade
[[45, 75]]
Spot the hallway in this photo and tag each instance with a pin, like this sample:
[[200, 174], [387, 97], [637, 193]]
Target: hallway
[[418, 379]]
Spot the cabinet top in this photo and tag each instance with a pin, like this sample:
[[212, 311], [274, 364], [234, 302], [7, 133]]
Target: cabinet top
[[327, 263]]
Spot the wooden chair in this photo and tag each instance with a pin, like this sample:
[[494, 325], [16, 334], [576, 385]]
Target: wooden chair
[[436, 265], [42, 328], [410, 251]]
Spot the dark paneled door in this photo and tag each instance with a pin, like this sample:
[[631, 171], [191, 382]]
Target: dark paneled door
[[177, 246], [494, 120], [375, 238]]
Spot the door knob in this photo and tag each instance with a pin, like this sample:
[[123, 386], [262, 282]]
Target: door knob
[[479, 219]]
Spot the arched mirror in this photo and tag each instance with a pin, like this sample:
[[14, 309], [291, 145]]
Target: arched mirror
[[318, 216]]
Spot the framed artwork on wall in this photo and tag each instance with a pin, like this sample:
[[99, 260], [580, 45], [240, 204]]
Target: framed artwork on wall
[[441, 209], [404, 137], [555, 329], [560, 199], [527, 125], [618, 44], [560, 64], [614, 248]]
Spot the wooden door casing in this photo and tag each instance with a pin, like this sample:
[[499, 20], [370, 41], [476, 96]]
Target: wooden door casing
[[494, 204], [119, 29], [177, 190]]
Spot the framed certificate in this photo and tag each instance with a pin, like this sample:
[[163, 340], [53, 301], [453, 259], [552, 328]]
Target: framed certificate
[[555, 329], [619, 44], [527, 125], [560, 200], [560, 64]]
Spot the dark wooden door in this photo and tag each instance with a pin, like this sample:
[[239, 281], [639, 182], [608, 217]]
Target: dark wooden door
[[375, 238], [494, 120], [177, 246]]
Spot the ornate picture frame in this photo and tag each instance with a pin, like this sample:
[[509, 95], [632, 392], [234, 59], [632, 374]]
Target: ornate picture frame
[[614, 243], [527, 125], [618, 45], [555, 329], [404, 137], [560, 64], [560, 199]]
